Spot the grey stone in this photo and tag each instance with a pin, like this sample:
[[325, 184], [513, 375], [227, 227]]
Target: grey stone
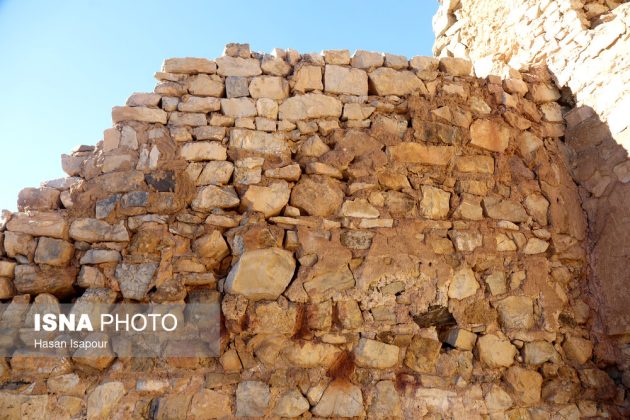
[[135, 199], [105, 206], [134, 279], [252, 399], [236, 87]]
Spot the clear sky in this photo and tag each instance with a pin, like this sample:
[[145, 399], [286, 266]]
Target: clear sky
[[64, 64]]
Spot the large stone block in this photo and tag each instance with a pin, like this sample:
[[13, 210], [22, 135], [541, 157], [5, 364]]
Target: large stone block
[[135, 279], [490, 135], [35, 280], [310, 105], [238, 66], [317, 195], [39, 224], [385, 81], [375, 354], [344, 80], [269, 87], [262, 274], [189, 65], [138, 113], [94, 230], [52, 251], [420, 153]]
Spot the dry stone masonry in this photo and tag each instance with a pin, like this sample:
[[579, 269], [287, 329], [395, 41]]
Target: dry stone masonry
[[386, 238]]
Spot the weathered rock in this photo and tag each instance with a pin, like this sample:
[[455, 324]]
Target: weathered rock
[[103, 399], [537, 207], [495, 352], [90, 277], [138, 113], [359, 208], [311, 355], [376, 355], [39, 224], [460, 338], [422, 354], [99, 358], [211, 197], [238, 107], [497, 400], [7, 269], [135, 279], [38, 199], [386, 402], [210, 404], [272, 145], [100, 256], [490, 135], [475, 164], [516, 312], [310, 105], [463, 284], [535, 246], [53, 252], [261, 274], [496, 283], [455, 66], [525, 385], [268, 200], [212, 246], [340, 399], [343, 80], [469, 208], [419, 153], [577, 349], [539, 352], [204, 85], [204, 150], [541, 93], [308, 78], [275, 65], [93, 230], [385, 81], [291, 404], [252, 399], [238, 66], [269, 87], [7, 290], [236, 87], [504, 210], [189, 65], [321, 285], [434, 203], [317, 195], [216, 173], [366, 59], [465, 240], [34, 280]]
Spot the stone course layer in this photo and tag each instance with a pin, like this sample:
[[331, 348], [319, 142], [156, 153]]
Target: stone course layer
[[387, 238]]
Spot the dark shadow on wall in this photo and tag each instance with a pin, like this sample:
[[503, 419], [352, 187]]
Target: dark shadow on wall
[[601, 168]]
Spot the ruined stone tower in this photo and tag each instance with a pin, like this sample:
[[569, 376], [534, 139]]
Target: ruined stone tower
[[369, 235]]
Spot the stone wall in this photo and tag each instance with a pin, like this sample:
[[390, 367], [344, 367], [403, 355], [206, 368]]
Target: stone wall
[[590, 61], [585, 47], [385, 238]]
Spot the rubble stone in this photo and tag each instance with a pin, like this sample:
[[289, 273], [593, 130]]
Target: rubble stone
[[261, 274]]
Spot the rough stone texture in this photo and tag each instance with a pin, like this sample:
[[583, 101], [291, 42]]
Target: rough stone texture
[[317, 195], [374, 354], [261, 274], [383, 237], [252, 399]]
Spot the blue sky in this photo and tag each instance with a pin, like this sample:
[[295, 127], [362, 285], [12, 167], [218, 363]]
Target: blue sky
[[64, 64]]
